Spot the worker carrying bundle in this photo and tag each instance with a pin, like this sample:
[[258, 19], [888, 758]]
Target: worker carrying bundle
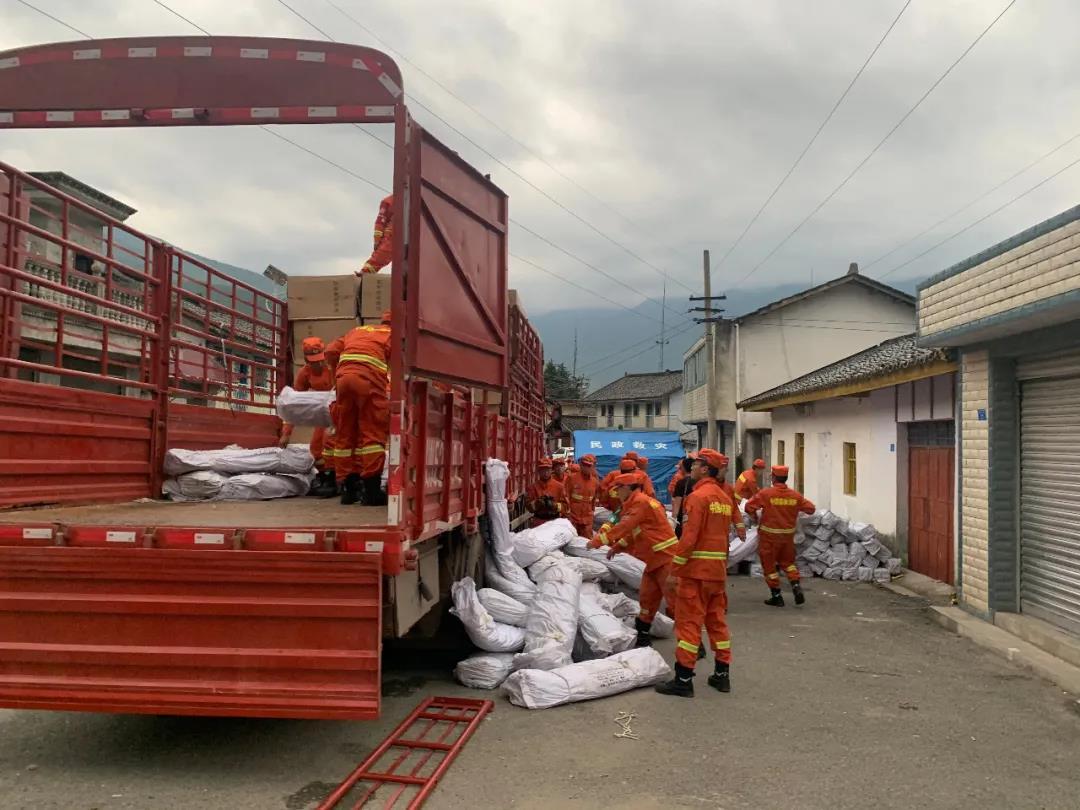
[[362, 411], [779, 506], [382, 253], [316, 376], [582, 489], [746, 485], [546, 498], [700, 565]]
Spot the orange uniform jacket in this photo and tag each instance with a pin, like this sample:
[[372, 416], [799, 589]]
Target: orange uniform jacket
[[364, 349], [550, 488], [607, 497], [780, 506], [643, 528], [746, 485], [710, 513], [308, 380], [582, 492], [381, 254]]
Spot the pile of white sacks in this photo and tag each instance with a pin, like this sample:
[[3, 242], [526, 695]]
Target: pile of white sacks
[[236, 474], [556, 622]]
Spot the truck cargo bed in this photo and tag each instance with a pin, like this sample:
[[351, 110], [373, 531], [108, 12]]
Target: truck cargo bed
[[287, 513]]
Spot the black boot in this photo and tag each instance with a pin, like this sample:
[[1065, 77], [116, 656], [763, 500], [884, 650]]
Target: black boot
[[644, 637], [777, 598], [796, 589], [720, 680], [682, 685], [350, 490], [316, 482], [373, 493], [326, 485]]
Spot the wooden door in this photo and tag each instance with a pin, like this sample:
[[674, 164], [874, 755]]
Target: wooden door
[[931, 512]]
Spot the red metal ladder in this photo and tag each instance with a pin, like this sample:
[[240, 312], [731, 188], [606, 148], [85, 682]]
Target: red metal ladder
[[438, 726]]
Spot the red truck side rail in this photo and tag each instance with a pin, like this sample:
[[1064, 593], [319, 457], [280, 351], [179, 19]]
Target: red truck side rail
[[115, 346]]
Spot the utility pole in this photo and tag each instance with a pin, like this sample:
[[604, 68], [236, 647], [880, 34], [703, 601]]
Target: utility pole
[[711, 317], [574, 372], [662, 341]]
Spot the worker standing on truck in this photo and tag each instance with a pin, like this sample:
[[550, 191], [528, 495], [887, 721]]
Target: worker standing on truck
[[700, 566], [746, 485], [582, 490], [315, 375], [643, 530], [363, 412], [779, 506], [382, 253], [546, 498]]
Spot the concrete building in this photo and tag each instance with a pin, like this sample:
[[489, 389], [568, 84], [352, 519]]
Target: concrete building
[[1012, 312], [650, 401], [782, 341], [871, 437]]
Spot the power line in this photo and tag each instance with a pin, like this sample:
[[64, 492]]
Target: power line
[[404, 58], [878, 146], [176, 13], [55, 19], [305, 19], [968, 205], [814, 138], [674, 334], [327, 160], [624, 349], [985, 217]]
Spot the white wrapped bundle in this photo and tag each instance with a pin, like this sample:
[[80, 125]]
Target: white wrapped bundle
[[553, 620], [305, 408], [532, 544], [663, 626], [484, 631], [828, 519], [627, 568], [619, 604], [235, 460], [864, 574], [264, 487], [810, 521], [805, 571], [872, 545], [503, 608], [861, 532], [591, 570], [756, 569], [484, 670], [818, 567], [850, 574], [194, 486], [603, 633], [815, 550], [842, 526], [883, 554], [739, 550], [870, 561], [856, 552], [535, 689], [894, 565], [881, 575], [601, 516], [833, 573], [517, 585], [537, 569]]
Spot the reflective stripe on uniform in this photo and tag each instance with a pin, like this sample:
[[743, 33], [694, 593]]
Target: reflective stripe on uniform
[[686, 645], [708, 555], [665, 544], [338, 453], [623, 543], [777, 531], [578, 497], [792, 568], [679, 560], [773, 575], [723, 645], [370, 360], [369, 450]]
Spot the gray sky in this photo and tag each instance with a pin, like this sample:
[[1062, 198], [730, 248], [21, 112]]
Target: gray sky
[[682, 116]]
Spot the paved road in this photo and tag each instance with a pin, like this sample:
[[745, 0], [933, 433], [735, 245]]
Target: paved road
[[855, 700]]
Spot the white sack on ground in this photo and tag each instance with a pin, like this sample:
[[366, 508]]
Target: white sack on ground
[[484, 631], [264, 487], [619, 604], [484, 670], [535, 689], [532, 544], [306, 408], [739, 550], [663, 626], [553, 620], [601, 630], [235, 460], [503, 608], [194, 486], [538, 568], [517, 586]]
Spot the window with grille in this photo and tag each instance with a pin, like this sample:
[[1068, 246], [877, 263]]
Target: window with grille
[[850, 471], [780, 452]]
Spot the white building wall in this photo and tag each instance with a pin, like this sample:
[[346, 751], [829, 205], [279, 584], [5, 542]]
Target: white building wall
[[869, 422]]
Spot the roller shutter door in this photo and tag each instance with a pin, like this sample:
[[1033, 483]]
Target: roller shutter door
[[1050, 489]]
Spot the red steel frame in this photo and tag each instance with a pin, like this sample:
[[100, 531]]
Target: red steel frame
[[439, 438]]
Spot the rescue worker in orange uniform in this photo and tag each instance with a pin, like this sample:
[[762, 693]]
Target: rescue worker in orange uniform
[[609, 496], [582, 489], [558, 470], [700, 567], [546, 497], [746, 485], [779, 506], [644, 531], [381, 254], [643, 465], [363, 412], [315, 375]]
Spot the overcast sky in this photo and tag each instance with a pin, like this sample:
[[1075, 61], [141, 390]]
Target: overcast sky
[[681, 116]]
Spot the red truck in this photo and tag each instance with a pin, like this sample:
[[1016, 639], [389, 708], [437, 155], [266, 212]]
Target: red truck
[[116, 347]]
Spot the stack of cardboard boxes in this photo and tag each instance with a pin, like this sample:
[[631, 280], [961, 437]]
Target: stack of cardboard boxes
[[329, 306]]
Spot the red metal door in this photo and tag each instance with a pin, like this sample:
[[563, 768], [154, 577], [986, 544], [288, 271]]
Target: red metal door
[[931, 511], [455, 267]]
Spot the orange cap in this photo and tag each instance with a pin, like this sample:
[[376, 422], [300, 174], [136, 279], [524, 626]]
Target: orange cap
[[589, 459], [627, 479], [314, 349], [386, 317], [780, 470], [544, 463], [631, 455], [713, 458], [759, 464], [627, 465], [558, 462]]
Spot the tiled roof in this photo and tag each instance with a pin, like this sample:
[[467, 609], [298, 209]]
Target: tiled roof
[[63, 182], [639, 386], [892, 356], [572, 423], [850, 278]]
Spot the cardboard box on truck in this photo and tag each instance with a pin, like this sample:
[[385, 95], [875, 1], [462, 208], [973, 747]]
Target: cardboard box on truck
[[329, 329], [322, 297], [373, 296]]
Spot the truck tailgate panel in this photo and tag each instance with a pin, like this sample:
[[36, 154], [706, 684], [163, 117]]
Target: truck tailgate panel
[[212, 633]]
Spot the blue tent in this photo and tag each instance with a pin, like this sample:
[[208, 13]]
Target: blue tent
[[663, 448]]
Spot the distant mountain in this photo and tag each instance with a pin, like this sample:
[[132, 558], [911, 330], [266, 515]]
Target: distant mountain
[[612, 342]]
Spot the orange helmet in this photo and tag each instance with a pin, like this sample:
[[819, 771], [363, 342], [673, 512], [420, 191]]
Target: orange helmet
[[713, 458], [314, 349]]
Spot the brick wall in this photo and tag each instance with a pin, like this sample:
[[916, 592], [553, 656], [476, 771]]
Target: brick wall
[[974, 495], [1035, 270]]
